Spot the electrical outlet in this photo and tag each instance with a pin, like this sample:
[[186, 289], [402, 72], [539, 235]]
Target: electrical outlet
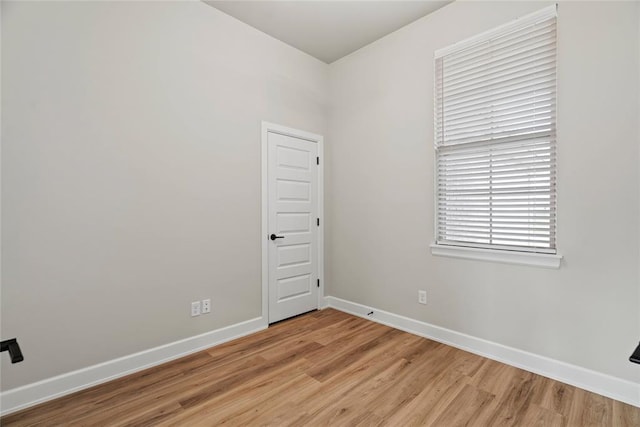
[[206, 306], [195, 308], [422, 297]]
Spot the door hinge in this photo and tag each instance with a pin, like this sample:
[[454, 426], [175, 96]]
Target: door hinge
[[318, 282], [317, 160], [318, 221]]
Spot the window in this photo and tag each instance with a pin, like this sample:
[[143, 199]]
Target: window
[[495, 136]]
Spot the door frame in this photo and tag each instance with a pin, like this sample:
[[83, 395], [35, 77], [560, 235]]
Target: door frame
[[264, 231]]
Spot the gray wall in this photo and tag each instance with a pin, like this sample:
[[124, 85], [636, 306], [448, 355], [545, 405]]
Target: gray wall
[[380, 137], [131, 181], [131, 173]]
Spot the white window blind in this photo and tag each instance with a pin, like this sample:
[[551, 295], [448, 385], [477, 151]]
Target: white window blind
[[495, 136]]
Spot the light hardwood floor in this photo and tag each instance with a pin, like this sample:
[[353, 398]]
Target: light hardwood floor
[[330, 368]]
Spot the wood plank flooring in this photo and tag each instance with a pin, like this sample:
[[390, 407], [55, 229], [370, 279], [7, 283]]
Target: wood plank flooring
[[328, 368]]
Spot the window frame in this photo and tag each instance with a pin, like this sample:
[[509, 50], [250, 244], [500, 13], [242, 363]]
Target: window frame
[[545, 257]]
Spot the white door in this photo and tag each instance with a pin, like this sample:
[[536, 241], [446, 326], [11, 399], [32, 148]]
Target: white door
[[292, 226]]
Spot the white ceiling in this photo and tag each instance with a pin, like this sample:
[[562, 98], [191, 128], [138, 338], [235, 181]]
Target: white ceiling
[[327, 29]]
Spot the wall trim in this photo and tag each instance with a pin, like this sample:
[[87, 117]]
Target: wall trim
[[32, 394], [324, 303], [507, 257], [603, 384]]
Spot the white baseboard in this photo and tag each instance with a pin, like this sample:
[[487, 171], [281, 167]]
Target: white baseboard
[[324, 303], [42, 391], [31, 394], [606, 385]]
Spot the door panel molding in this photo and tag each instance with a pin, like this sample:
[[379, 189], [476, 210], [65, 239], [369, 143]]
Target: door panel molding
[[267, 128]]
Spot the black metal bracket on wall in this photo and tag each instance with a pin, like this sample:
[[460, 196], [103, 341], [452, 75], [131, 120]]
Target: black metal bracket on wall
[[635, 357], [13, 348]]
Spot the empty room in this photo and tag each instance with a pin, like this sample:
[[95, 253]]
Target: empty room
[[320, 213]]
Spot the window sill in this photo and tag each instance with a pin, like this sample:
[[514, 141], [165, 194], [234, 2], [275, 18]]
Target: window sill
[[508, 257]]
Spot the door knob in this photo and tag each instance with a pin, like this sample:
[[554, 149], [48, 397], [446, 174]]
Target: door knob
[[274, 237]]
